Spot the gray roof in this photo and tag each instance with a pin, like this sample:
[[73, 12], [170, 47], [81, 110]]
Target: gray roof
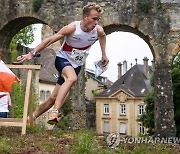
[[133, 82], [98, 79], [48, 69]]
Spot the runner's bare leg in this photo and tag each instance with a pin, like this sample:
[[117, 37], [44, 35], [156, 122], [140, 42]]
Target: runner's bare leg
[[48, 103], [70, 78]]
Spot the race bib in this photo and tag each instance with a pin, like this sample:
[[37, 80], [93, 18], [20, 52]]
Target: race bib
[[79, 56]]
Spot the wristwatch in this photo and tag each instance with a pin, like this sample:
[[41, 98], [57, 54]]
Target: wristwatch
[[32, 52]]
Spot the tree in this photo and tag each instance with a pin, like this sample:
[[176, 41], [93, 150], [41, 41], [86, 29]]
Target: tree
[[176, 92], [148, 117], [24, 37]]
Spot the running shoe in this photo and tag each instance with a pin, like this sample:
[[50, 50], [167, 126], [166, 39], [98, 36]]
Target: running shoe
[[53, 119]]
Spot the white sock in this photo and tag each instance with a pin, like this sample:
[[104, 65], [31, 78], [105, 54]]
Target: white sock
[[34, 117], [55, 111]]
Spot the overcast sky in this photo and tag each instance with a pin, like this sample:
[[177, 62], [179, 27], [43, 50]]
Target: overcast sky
[[120, 46]]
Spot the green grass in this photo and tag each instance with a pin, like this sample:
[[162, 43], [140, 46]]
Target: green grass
[[36, 129], [6, 145], [47, 145], [72, 142], [84, 143], [59, 133]]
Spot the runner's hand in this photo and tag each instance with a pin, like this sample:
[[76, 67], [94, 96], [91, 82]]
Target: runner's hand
[[22, 58], [104, 61]]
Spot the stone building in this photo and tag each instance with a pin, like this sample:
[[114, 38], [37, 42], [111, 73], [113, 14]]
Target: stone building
[[119, 106], [94, 86]]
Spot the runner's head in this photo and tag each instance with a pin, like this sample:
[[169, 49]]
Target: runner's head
[[92, 6], [91, 15]]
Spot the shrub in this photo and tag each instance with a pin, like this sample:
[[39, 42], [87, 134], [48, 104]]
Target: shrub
[[144, 5], [37, 5]]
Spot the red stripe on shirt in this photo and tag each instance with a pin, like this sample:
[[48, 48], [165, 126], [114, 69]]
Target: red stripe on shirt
[[67, 47]]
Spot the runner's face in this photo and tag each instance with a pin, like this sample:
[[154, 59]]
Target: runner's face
[[92, 19]]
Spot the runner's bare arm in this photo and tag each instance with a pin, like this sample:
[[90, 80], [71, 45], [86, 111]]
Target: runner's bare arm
[[102, 41], [65, 31]]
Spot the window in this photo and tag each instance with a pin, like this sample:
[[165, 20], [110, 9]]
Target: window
[[122, 128], [106, 127], [47, 94], [122, 109], [42, 95], [140, 109], [106, 108], [141, 128]]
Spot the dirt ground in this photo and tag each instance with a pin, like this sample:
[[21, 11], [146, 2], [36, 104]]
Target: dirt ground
[[50, 142], [40, 142]]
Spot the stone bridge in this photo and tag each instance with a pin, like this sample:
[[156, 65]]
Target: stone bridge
[[156, 21]]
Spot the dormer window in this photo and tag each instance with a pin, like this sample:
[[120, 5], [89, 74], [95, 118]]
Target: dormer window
[[55, 75]]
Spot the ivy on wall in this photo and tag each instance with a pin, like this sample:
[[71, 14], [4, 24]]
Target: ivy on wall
[[144, 5], [37, 5]]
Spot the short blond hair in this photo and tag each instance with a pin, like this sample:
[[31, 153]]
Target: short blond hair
[[91, 6]]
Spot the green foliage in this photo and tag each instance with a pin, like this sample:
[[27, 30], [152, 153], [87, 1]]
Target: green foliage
[[76, 142], [46, 145], [14, 52], [18, 100], [159, 5], [144, 5], [18, 96], [84, 143], [63, 123], [24, 37], [37, 5], [6, 146], [141, 148], [36, 129], [148, 117], [176, 92], [67, 107], [59, 133]]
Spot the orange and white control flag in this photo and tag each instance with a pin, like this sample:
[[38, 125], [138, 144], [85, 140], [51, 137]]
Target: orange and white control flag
[[7, 78]]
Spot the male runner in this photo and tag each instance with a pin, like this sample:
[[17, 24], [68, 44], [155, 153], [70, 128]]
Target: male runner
[[78, 38]]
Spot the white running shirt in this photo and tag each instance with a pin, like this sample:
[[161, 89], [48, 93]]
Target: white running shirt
[[79, 39], [4, 102]]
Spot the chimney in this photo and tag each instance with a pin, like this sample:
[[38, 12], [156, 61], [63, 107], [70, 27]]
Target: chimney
[[131, 65], [119, 70], [136, 61], [146, 66], [124, 66], [153, 65]]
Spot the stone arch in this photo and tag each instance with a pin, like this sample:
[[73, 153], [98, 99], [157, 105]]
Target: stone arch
[[125, 28], [10, 29]]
